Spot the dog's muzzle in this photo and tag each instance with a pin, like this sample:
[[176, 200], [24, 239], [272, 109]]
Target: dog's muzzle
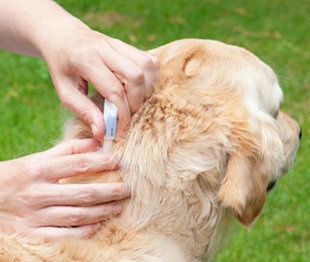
[[272, 184]]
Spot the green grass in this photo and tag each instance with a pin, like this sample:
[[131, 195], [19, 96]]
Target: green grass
[[277, 31]]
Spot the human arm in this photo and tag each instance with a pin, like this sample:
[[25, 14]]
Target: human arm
[[77, 55]]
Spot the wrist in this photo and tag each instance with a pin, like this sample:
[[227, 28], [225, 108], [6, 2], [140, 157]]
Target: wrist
[[50, 27], [51, 38]]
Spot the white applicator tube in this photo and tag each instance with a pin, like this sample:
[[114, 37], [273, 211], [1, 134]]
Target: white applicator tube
[[110, 123]]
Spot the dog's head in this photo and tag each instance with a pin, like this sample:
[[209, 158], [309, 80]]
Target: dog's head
[[236, 98]]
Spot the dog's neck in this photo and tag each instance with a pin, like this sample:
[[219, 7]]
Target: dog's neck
[[185, 212], [174, 180], [173, 169]]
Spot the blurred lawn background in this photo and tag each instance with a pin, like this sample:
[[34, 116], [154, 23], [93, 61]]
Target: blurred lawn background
[[277, 31]]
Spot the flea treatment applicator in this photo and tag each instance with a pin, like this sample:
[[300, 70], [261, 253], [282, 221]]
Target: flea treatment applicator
[[110, 122]]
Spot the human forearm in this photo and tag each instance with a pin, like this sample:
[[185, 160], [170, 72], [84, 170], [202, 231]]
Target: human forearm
[[26, 26]]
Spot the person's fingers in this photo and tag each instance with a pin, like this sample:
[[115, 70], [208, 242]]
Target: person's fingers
[[74, 165], [136, 69], [72, 98], [130, 75], [145, 62], [79, 194], [52, 233], [65, 216], [108, 85], [71, 147]]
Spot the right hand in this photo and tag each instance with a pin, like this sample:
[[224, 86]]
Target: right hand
[[121, 73], [33, 203]]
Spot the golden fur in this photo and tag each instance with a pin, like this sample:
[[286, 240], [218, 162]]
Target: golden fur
[[208, 141]]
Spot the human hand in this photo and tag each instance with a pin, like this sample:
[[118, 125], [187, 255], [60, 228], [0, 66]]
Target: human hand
[[121, 73], [32, 202]]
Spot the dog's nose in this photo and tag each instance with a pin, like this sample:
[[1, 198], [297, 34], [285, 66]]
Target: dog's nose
[[300, 134]]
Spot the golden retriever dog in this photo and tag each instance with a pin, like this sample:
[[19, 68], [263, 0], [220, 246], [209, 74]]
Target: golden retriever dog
[[201, 151]]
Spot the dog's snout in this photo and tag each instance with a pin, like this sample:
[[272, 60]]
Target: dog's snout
[[300, 134]]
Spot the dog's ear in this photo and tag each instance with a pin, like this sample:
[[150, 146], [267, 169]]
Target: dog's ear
[[244, 188], [251, 165], [193, 62], [187, 64]]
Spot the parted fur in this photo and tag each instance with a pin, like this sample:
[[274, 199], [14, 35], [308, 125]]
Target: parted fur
[[205, 145]]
